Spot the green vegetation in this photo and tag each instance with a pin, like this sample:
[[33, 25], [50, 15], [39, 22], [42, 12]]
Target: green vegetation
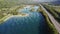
[[9, 7], [3, 19], [9, 3], [51, 27], [58, 10], [53, 12], [12, 11]]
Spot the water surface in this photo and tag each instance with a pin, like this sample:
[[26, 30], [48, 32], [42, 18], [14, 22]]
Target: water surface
[[34, 23]]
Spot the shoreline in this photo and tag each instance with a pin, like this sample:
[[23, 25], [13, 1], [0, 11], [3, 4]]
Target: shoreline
[[10, 16]]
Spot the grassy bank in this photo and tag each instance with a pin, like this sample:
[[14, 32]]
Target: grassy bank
[[53, 12], [3, 19], [51, 28], [49, 23]]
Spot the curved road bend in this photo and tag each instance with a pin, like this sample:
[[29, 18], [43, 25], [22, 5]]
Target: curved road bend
[[56, 23]]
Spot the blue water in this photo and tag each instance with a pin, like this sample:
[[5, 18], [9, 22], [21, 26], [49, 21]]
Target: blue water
[[32, 24]]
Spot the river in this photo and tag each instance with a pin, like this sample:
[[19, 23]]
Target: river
[[33, 23]]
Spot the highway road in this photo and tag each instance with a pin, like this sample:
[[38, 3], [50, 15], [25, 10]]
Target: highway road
[[56, 23]]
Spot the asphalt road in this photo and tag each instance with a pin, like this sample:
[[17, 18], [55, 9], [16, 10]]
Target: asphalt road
[[56, 23]]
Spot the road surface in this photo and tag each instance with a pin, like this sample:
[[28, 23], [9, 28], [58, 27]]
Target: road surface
[[56, 23]]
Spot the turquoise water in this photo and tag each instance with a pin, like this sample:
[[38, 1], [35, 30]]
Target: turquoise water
[[34, 23]]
